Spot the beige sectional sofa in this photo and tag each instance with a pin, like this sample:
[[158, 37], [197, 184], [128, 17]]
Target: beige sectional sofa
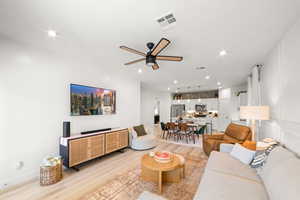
[[226, 178]]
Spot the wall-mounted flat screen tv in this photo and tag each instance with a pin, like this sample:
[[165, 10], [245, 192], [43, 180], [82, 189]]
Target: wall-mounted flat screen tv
[[86, 100]]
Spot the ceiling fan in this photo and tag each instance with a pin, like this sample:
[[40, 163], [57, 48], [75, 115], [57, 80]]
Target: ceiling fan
[[152, 55]]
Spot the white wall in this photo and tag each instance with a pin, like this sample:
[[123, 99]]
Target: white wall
[[35, 100], [280, 90], [149, 98], [229, 106]]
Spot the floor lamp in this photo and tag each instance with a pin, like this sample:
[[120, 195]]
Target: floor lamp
[[254, 113]]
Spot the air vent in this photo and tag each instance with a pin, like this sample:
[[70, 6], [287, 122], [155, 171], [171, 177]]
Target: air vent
[[167, 21]]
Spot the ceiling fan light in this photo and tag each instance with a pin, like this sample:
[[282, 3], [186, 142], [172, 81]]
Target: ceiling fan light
[[149, 64], [150, 60]]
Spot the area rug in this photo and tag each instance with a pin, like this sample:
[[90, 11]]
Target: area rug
[[129, 185], [198, 142]]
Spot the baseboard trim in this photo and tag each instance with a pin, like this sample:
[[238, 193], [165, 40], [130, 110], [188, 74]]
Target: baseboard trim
[[13, 183]]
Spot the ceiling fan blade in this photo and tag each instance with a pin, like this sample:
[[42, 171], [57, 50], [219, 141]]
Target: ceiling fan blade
[[135, 61], [163, 43], [169, 58], [132, 50], [155, 66]]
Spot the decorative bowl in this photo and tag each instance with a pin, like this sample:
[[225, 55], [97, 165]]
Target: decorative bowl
[[162, 157]]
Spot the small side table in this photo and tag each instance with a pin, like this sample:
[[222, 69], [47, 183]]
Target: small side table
[[160, 172], [260, 146], [51, 174]]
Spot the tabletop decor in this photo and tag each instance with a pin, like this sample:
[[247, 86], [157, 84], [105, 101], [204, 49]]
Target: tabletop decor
[[163, 157], [151, 153]]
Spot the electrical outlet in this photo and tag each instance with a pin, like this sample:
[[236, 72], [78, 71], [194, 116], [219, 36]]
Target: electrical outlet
[[19, 165]]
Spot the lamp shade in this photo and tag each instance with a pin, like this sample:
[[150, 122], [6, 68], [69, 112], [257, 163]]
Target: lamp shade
[[255, 112]]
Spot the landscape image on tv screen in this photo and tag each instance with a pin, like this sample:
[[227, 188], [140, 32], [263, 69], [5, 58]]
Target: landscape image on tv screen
[[87, 100]]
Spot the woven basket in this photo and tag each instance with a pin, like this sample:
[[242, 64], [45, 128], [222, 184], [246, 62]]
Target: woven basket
[[50, 174]]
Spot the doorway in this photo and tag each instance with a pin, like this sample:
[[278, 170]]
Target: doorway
[[156, 112]]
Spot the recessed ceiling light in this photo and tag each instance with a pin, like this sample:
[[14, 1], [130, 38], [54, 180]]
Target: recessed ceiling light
[[223, 53], [52, 33], [140, 71], [176, 91], [207, 77], [199, 100], [175, 81], [200, 68], [218, 83], [168, 88]]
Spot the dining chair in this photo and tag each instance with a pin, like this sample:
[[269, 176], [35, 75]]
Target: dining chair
[[164, 129], [171, 130], [201, 131], [185, 132]]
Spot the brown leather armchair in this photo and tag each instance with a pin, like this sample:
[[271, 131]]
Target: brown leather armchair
[[234, 133]]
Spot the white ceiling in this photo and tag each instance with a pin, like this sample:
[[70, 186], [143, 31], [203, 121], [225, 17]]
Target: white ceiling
[[247, 29]]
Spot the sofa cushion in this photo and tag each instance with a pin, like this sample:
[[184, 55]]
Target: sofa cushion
[[140, 130], [230, 139], [222, 186], [276, 157], [283, 180], [145, 138], [224, 163], [238, 132], [281, 175]]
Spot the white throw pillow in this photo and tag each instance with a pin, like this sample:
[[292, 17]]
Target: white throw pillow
[[226, 148], [242, 154]]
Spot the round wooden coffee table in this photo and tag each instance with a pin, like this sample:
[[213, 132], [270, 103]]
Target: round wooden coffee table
[[160, 172]]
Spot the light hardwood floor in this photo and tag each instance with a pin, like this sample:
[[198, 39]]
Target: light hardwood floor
[[92, 175]]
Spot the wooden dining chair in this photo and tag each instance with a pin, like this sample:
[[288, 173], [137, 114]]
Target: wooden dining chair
[[172, 131], [185, 132]]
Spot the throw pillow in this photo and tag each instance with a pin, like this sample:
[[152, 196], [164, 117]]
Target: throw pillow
[[270, 148], [261, 157], [250, 145], [140, 130], [242, 154]]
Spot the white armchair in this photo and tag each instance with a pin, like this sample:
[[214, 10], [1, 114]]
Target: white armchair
[[142, 142]]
